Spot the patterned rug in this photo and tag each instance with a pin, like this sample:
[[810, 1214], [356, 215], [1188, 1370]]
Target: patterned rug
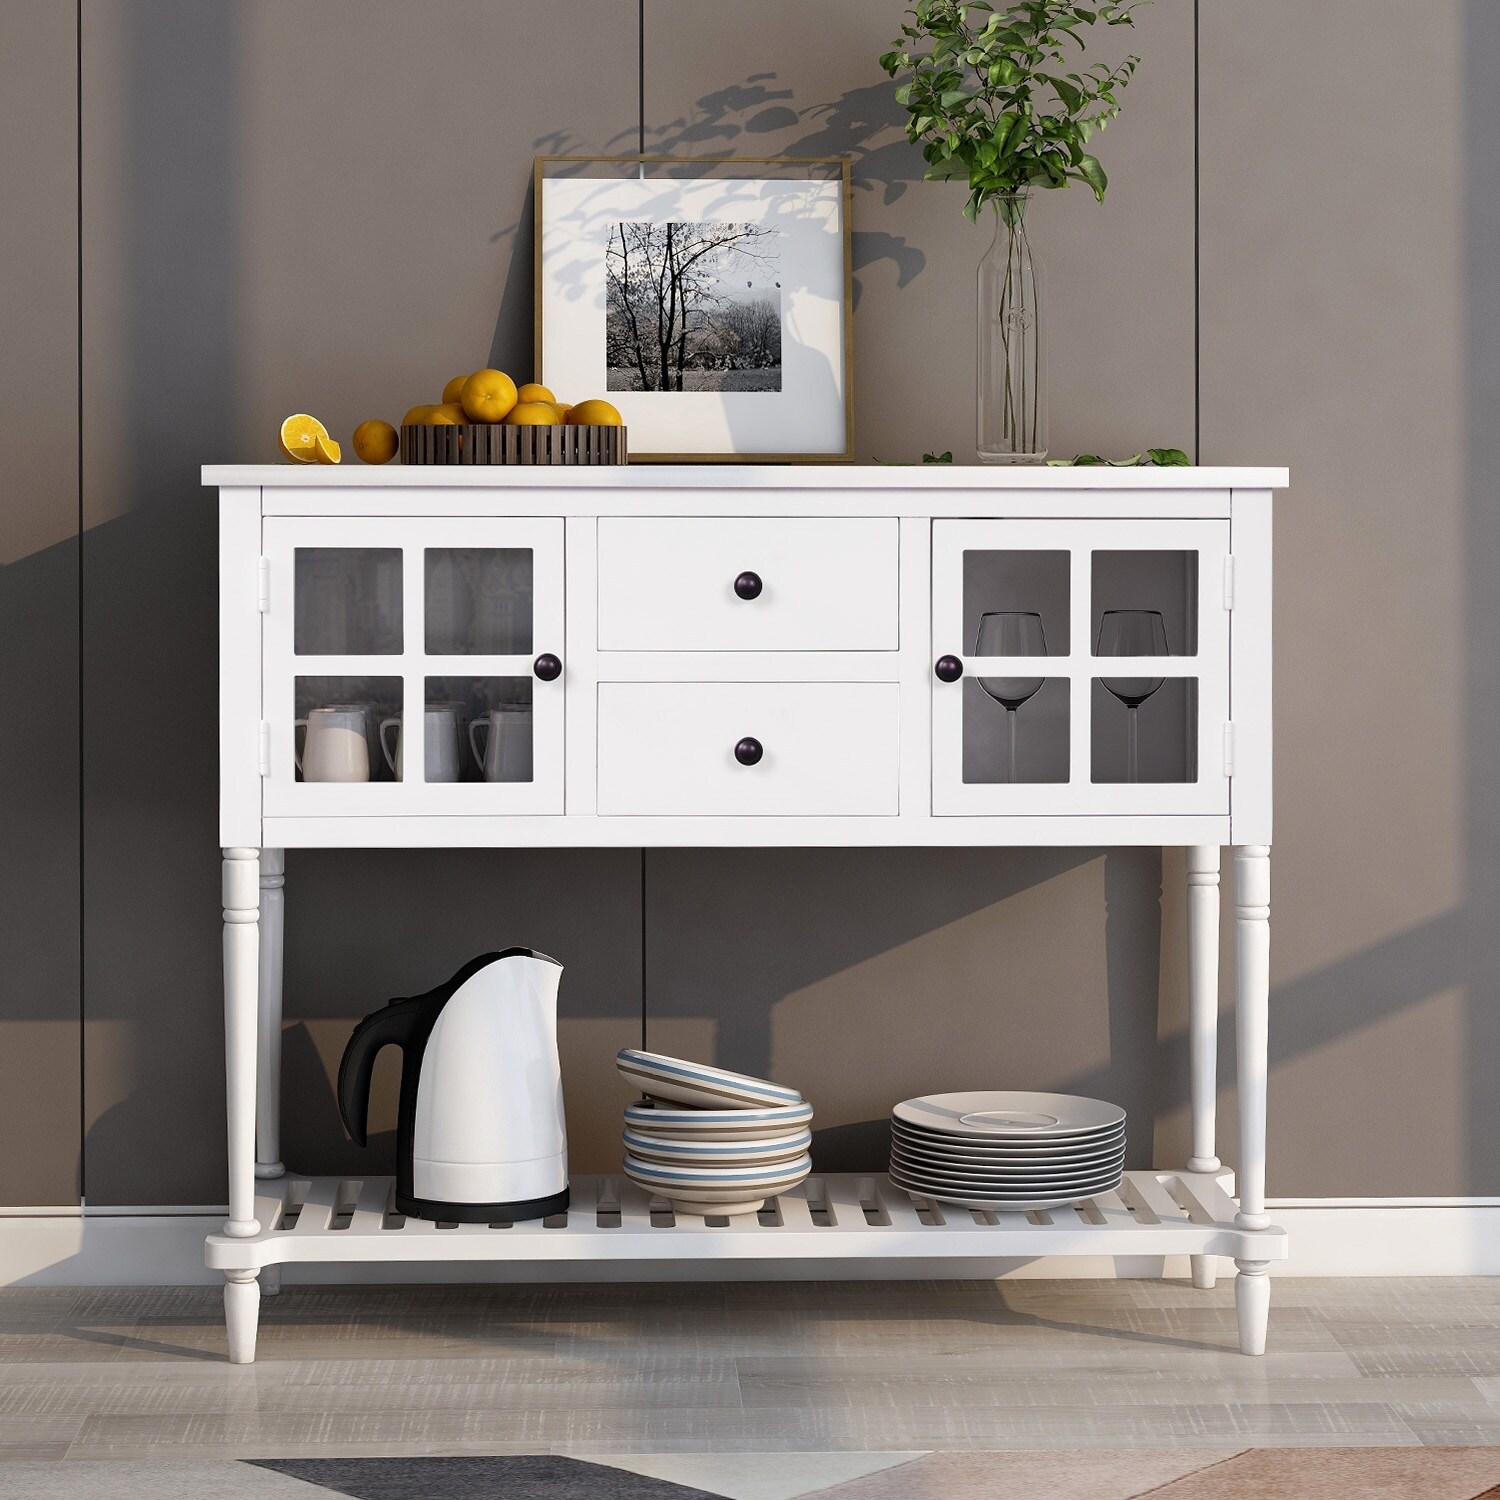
[[1091, 1474]]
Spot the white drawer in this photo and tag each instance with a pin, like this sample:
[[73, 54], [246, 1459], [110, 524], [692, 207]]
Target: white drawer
[[827, 583], [668, 748]]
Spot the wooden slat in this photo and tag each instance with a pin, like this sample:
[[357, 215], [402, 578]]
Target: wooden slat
[[316, 1212], [369, 1211], [1208, 1198], [1144, 1189]]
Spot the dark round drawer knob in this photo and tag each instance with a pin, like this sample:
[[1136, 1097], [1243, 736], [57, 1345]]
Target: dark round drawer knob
[[749, 751], [748, 585], [948, 669], [547, 667]]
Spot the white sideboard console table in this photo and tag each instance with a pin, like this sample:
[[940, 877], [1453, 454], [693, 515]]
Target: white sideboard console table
[[748, 656]]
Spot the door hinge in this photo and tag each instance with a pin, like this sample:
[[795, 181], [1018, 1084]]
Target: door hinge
[[265, 748], [1229, 581], [263, 589], [1229, 749]]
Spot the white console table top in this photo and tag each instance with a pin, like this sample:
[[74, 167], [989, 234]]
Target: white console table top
[[862, 477]]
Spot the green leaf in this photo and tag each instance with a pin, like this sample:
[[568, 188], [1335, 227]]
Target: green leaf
[[1071, 98], [1093, 174], [1087, 460], [1169, 458]]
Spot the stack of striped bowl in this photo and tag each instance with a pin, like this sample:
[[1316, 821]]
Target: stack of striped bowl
[[710, 1141]]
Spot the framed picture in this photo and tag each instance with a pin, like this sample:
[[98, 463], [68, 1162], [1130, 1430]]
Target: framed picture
[[708, 300]]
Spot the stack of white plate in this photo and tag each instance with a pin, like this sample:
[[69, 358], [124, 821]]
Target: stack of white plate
[[711, 1141], [1007, 1151]]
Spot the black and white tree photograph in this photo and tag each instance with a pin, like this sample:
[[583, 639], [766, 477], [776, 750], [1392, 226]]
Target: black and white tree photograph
[[693, 307]]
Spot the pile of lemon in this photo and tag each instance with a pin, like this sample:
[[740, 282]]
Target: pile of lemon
[[484, 396]]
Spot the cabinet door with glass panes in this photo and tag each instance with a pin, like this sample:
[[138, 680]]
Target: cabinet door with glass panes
[[413, 666], [1095, 667]]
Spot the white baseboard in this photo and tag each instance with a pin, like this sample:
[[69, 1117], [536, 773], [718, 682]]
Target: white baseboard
[[66, 1247]]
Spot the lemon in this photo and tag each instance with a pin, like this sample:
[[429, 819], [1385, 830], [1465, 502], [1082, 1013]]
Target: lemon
[[594, 414], [534, 392], [533, 414], [298, 436], [488, 395], [446, 415], [327, 450], [416, 416], [454, 390], [376, 442]]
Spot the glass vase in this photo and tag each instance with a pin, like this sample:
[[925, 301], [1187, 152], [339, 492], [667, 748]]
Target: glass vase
[[1012, 376]]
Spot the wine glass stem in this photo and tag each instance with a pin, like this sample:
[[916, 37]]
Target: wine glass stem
[[1132, 745], [1010, 736]]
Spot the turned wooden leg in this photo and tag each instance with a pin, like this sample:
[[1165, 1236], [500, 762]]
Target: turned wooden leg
[[241, 1314], [268, 1053], [1252, 995], [1203, 1020], [241, 882]]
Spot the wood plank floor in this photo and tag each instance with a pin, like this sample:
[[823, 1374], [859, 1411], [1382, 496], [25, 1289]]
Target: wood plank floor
[[752, 1367]]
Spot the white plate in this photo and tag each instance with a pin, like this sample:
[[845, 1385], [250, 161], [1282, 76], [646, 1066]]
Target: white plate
[[1074, 1150], [983, 1188], [983, 1204], [687, 1082], [1007, 1186], [1071, 1193], [1010, 1172], [1001, 1182], [1009, 1114], [747, 1151], [988, 1161], [716, 1124], [775, 1178]]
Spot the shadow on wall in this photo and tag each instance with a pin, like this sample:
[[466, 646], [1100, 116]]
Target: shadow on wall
[[863, 124]]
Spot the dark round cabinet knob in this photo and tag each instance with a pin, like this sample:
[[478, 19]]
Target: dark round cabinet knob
[[547, 667], [749, 751], [948, 669], [748, 585]]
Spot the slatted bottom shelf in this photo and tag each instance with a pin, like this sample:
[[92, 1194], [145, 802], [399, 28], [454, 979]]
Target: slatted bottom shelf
[[833, 1216]]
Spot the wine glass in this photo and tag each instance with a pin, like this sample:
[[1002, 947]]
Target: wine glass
[[1010, 632], [1132, 632]]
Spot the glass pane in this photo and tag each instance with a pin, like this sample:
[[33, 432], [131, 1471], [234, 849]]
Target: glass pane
[[1010, 582], [478, 601], [339, 727], [1037, 728], [1165, 730], [1164, 583], [347, 601], [489, 718]]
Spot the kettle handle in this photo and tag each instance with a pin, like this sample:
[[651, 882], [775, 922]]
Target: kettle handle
[[393, 1025]]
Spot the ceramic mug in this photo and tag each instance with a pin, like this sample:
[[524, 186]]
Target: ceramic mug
[[506, 753], [439, 743], [335, 747]]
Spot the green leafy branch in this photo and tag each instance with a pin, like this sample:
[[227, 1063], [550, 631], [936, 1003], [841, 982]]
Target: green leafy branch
[[1162, 458], [990, 99]]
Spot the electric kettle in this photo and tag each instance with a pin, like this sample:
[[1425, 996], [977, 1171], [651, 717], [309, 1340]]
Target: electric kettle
[[480, 1134]]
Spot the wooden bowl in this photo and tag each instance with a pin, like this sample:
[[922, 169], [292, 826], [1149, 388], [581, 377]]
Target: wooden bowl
[[495, 443]]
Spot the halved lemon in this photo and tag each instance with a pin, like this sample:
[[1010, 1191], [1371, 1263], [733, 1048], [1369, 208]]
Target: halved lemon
[[298, 438]]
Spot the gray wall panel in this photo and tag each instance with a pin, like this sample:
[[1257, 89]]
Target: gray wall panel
[[340, 224], [39, 874], [868, 977], [1337, 319], [286, 208]]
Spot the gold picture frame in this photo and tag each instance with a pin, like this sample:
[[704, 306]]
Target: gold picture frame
[[691, 169]]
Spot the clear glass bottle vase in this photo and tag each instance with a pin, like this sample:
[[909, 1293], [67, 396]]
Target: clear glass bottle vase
[[1012, 374]]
